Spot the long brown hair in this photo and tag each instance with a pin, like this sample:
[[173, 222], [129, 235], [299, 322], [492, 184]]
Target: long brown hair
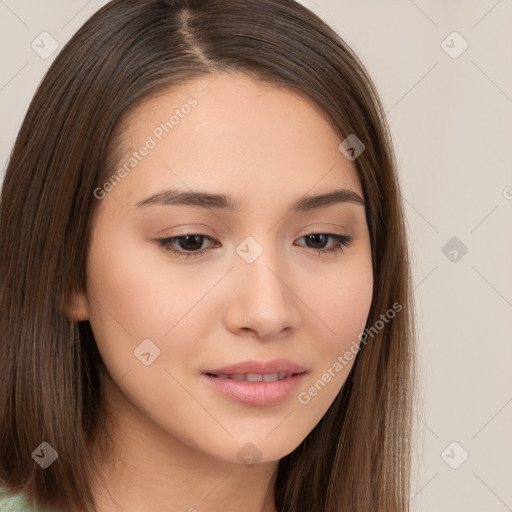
[[358, 457]]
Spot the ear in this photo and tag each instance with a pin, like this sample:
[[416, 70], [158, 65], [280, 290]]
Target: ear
[[76, 307]]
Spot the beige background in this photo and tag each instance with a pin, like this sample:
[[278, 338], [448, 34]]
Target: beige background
[[451, 123]]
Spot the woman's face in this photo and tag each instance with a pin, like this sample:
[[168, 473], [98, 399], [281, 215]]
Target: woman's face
[[256, 288]]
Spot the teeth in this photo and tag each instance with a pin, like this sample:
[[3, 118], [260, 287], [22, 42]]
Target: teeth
[[255, 377]]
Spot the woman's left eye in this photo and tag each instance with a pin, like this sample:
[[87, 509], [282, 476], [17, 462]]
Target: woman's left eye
[[339, 241], [190, 245]]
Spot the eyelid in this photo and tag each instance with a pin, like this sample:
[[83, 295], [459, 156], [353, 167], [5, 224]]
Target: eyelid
[[308, 229], [190, 229]]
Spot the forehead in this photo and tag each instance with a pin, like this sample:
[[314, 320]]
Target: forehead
[[231, 134]]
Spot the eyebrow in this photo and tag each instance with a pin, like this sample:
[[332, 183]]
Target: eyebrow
[[174, 197]]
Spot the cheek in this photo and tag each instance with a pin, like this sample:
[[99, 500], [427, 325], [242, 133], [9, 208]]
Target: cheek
[[134, 287], [342, 299], [350, 308], [136, 294], [343, 308]]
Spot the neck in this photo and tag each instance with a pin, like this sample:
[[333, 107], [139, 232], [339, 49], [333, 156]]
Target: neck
[[149, 469]]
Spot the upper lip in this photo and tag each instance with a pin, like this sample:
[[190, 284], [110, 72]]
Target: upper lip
[[259, 368]]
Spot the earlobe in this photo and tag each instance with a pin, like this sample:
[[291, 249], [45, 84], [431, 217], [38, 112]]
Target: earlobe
[[76, 308]]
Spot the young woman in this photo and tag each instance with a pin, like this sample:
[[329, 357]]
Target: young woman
[[205, 289]]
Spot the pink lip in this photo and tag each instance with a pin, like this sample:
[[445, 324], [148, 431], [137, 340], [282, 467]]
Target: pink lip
[[259, 394], [259, 367]]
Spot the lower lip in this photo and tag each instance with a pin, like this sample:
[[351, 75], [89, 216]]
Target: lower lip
[[259, 394]]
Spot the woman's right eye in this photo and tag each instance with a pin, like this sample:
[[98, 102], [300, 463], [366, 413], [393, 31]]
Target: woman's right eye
[[191, 242]]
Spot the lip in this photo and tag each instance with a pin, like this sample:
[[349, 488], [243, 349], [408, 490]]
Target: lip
[[257, 394], [259, 367]]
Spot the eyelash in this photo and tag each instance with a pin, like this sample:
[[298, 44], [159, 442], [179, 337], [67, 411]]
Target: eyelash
[[340, 242]]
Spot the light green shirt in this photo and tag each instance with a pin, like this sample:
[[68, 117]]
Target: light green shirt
[[16, 503]]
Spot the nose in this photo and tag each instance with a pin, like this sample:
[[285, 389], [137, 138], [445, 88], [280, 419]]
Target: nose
[[264, 302]]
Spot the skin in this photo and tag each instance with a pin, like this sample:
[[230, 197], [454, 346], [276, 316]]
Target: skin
[[265, 146]]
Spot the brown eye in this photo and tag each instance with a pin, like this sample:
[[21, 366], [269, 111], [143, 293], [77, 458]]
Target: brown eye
[[319, 240], [188, 245]]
